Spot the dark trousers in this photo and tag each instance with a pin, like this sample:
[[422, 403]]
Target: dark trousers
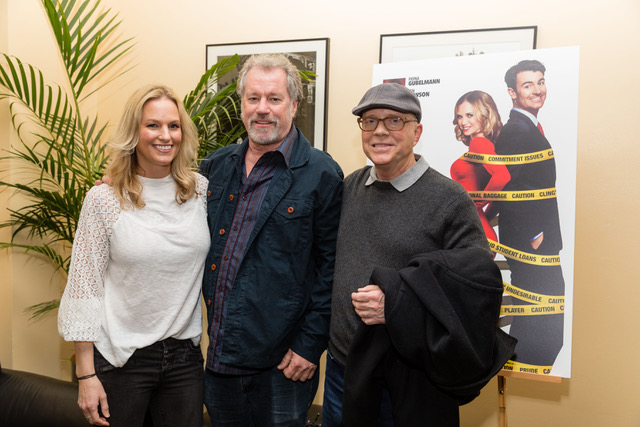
[[165, 379], [540, 338], [264, 399], [334, 390]]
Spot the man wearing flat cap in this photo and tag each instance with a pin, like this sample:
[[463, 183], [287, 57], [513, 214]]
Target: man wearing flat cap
[[416, 294]]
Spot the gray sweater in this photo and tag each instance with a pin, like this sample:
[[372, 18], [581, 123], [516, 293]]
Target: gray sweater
[[381, 226]]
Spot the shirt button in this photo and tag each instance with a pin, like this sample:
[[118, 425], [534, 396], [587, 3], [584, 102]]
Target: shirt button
[[226, 258], [230, 196], [220, 288], [235, 227], [222, 231], [208, 192], [290, 209], [213, 267], [208, 302], [244, 197]]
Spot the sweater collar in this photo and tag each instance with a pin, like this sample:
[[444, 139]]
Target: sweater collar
[[407, 179]]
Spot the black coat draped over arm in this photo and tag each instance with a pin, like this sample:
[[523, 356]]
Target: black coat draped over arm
[[440, 345]]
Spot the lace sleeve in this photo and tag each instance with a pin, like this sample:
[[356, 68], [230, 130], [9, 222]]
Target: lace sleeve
[[202, 184], [79, 312]]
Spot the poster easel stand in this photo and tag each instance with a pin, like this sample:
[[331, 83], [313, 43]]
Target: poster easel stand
[[502, 389]]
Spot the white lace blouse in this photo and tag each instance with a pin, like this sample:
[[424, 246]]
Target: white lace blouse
[[135, 274]]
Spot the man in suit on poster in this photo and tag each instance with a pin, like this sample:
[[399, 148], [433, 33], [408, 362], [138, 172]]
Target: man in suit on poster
[[531, 226]]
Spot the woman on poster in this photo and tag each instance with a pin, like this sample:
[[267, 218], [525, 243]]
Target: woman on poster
[[132, 300], [477, 124]]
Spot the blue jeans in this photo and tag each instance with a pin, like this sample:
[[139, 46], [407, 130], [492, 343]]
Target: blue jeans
[[264, 399], [333, 391], [165, 379]]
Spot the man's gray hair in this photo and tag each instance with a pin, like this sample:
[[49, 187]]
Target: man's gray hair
[[268, 61]]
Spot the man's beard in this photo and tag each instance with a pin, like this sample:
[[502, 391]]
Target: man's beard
[[264, 136], [269, 136]]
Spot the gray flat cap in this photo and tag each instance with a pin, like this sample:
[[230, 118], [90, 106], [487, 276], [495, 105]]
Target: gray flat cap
[[390, 95]]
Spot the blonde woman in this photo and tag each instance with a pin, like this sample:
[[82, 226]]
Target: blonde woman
[[477, 125], [132, 300]]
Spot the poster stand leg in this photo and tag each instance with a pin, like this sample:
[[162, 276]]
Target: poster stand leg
[[502, 403], [502, 389]]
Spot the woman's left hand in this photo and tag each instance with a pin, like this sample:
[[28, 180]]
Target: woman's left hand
[[91, 396]]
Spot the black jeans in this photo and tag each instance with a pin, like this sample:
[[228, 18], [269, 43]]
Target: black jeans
[[165, 378], [264, 399]]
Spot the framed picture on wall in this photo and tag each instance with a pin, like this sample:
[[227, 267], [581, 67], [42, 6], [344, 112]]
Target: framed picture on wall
[[308, 54], [415, 46]]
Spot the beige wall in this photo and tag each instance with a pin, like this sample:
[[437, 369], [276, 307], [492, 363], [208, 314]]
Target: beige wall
[[6, 299], [171, 41]]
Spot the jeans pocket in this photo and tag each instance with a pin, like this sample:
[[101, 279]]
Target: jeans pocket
[[101, 365], [194, 352]]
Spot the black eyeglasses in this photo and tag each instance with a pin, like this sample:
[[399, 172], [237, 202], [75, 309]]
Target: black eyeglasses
[[369, 124]]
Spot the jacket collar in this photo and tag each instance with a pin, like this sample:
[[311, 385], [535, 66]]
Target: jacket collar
[[299, 151]]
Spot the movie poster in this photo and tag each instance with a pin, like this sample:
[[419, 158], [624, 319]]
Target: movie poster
[[519, 166]]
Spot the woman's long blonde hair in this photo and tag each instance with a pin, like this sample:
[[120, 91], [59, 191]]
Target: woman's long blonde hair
[[123, 168], [486, 110]]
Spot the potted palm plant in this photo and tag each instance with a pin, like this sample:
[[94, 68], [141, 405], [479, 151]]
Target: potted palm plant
[[60, 151]]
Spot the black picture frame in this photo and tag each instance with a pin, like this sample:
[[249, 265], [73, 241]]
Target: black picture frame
[[439, 44], [306, 54]]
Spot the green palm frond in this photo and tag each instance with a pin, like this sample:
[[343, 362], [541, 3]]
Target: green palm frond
[[215, 113], [80, 32], [60, 263], [37, 310], [51, 215], [307, 75], [60, 152]]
